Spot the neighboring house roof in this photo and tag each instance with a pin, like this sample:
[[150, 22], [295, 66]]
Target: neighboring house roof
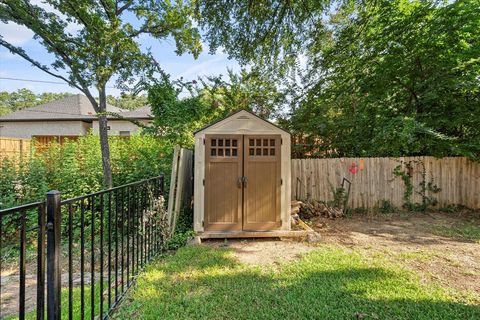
[[140, 113], [75, 107]]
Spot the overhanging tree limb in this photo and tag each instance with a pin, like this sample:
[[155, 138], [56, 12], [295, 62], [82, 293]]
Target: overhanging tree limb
[[102, 46], [21, 52]]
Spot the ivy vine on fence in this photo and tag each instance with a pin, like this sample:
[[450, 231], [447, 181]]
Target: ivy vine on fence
[[427, 190]]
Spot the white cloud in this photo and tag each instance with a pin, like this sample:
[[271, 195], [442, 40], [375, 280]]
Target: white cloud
[[73, 28], [15, 34], [41, 4], [221, 50]]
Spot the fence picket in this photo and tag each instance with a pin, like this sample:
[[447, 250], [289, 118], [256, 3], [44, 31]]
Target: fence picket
[[458, 178], [14, 147]]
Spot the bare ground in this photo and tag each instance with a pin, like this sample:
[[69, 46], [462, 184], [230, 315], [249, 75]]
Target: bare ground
[[263, 251], [451, 262], [10, 289]]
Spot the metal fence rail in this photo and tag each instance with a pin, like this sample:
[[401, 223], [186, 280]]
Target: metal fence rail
[[95, 246], [22, 221]]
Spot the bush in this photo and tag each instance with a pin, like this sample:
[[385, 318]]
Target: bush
[[75, 168], [183, 231], [386, 207]]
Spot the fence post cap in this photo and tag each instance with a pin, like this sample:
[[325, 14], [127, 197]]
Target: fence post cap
[[54, 192]]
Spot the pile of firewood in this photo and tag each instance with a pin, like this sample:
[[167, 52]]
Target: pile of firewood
[[312, 208]]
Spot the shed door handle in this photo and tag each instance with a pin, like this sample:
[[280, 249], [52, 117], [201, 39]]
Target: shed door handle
[[242, 182]]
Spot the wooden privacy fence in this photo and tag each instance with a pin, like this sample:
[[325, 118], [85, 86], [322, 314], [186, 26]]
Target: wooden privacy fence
[[372, 180], [14, 147], [181, 185]]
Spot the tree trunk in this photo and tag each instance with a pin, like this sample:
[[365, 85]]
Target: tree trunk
[[103, 132]]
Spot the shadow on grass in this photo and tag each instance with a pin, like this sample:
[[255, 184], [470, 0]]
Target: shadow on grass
[[201, 283]]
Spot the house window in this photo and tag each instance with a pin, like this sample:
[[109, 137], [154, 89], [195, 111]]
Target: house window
[[124, 133]]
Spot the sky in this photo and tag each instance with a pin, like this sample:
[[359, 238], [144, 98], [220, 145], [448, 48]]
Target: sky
[[12, 66]]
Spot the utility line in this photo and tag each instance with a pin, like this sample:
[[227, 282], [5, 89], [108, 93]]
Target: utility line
[[41, 81]]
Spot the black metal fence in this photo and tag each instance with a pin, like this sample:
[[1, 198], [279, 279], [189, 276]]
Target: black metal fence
[[76, 258]]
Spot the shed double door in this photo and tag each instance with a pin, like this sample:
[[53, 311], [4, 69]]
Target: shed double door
[[242, 182]]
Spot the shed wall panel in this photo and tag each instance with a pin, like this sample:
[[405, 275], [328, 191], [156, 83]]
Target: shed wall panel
[[242, 123]]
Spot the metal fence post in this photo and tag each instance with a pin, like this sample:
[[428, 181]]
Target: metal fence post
[[54, 218]]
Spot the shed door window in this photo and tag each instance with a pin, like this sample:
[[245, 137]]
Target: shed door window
[[242, 182], [261, 147], [224, 147]]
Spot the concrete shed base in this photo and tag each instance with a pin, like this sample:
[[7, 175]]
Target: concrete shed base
[[255, 234]]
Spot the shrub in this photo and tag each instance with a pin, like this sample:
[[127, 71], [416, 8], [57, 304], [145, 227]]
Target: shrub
[[386, 207], [75, 168], [183, 231]]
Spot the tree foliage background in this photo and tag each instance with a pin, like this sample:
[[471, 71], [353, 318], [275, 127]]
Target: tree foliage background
[[25, 98], [379, 78], [181, 108]]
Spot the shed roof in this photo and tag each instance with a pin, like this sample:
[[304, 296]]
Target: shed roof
[[247, 112]]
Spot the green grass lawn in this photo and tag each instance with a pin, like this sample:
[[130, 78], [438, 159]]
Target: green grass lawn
[[328, 283], [461, 230]]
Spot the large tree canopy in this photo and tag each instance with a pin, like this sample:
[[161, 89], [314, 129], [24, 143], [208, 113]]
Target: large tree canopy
[[92, 41], [382, 78], [209, 99], [395, 78], [269, 32]]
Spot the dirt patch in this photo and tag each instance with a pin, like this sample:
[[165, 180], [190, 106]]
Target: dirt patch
[[263, 251], [409, 240], [10, 290], [10, 282], [452, 262]]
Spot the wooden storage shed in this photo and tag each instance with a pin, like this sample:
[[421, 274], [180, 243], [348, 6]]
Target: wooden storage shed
[[242, 178]]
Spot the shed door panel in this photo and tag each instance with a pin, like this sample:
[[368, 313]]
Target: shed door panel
[[263, 187], [223, 194]]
